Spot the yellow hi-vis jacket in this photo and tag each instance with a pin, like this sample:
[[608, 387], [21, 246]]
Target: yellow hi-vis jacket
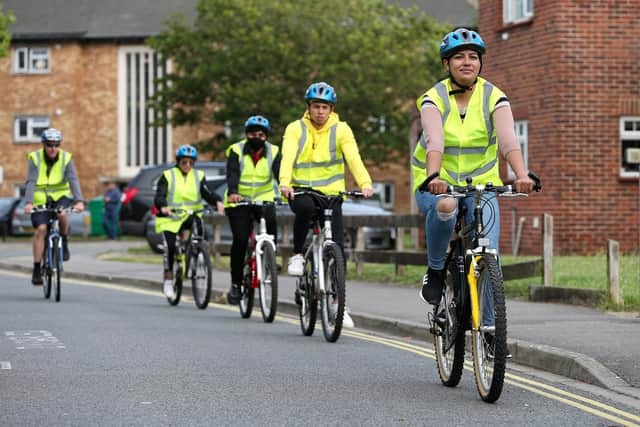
[[55, 185], [470, 147], [256, 181], [315, 157], [183, 192]]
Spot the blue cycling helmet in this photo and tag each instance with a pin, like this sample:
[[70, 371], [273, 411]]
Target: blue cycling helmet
[[51, 134], [460, 39], [187, 151], [321, 91], [257, 122]]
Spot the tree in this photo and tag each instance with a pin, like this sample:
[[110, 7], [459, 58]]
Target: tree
[[6, 19], [244, 57]]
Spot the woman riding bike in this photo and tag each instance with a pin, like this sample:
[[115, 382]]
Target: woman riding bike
[[180, 188], [466, 121]]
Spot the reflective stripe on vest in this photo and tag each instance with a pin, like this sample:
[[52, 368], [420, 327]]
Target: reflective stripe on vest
[[333, 160], [256, 190], [171, 200]]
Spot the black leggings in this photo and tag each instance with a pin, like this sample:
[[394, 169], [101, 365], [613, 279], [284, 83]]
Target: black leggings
[[240, 220], [304, 207], [170, 239]]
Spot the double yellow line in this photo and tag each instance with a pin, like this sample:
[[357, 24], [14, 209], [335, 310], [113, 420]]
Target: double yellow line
[[571, 399]]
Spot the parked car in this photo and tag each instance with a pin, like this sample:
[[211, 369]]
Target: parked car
[[21, 223], [7, 211], [375, 237], [137, 197]]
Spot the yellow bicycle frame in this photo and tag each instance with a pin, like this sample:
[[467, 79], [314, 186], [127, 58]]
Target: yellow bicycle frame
[[473, 292]]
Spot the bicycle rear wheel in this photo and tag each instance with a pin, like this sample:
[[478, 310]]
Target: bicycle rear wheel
[[333, 300], [201, 276], [269, 284], [247, 292], [177, 283], [308, 307], [448, 329], [44, 269], [56, 268], [489, 343]]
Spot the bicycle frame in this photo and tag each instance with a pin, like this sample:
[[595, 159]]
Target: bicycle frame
[[257, 242], [321, 238]]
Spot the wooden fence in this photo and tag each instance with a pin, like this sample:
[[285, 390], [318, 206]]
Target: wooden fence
[[400, 256]]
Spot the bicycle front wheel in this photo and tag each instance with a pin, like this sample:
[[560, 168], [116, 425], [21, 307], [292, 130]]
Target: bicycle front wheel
[[248, 293], [56, 268], [44, 269], [489, 342], [306, 298], [201, 276], [448, 329], [333, 300], [177, 283], [269, 284]]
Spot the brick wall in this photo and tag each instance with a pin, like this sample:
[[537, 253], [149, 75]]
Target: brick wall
[[571, 72], [80, 96]]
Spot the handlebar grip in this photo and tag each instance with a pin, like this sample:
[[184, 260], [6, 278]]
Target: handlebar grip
[[423, 187], [536, 179]]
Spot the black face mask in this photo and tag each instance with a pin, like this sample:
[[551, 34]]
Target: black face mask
[[255, 143]]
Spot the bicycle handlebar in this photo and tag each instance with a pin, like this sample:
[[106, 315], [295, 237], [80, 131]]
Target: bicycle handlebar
[[57, 210], [506, 190], [259, 202]]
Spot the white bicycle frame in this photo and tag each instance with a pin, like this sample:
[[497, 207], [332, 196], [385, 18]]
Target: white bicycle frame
[[262, 238], [318, 243]]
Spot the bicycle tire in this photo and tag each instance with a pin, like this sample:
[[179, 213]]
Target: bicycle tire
[[308, 307], [44, 269], [450, 341], [269, 284], [201, 276], [490, 354], [247, 292], [57, 268], [177, 283], [334, 290]]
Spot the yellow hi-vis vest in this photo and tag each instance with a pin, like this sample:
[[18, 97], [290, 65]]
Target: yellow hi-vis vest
[[470, 147], [55, 185], [256, 181], [326, 172], [183, 192]]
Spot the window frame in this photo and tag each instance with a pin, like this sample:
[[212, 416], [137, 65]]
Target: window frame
[[31, 119], [628, 135], [517, 11], [30, 57]]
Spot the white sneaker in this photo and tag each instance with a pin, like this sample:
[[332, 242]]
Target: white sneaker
[[296, 265], [168, 289], [347, 321]]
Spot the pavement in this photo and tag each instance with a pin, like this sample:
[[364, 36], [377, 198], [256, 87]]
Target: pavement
[[576, 342]]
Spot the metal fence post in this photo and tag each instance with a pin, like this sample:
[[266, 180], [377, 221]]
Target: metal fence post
[[613, 272]]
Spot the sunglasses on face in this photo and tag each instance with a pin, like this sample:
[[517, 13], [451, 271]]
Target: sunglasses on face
[[52, 145]]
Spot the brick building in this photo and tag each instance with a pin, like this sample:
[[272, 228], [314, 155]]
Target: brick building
[[569, 68]]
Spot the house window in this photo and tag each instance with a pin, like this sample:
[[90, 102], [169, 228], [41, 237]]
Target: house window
[[29, 128], [523, 140], [517, 11], [140, 143], [629, 138], [31, 60]]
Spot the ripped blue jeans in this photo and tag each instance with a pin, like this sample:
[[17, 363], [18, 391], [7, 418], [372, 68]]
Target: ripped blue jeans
[[438, 234]]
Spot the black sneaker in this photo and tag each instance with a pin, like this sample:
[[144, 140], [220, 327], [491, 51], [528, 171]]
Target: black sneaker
[[234, 294], [65, 249], [432, 284], [36, 277]]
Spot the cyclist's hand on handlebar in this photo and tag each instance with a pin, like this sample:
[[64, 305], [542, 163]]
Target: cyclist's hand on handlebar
[[523, 185], [220, 207], [287, 192], [165, 210], [235, 198], [78, 206], [437, 186], [367, 192], [28, 208]]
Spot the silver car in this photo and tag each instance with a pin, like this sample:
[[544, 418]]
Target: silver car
[[21, 224]]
